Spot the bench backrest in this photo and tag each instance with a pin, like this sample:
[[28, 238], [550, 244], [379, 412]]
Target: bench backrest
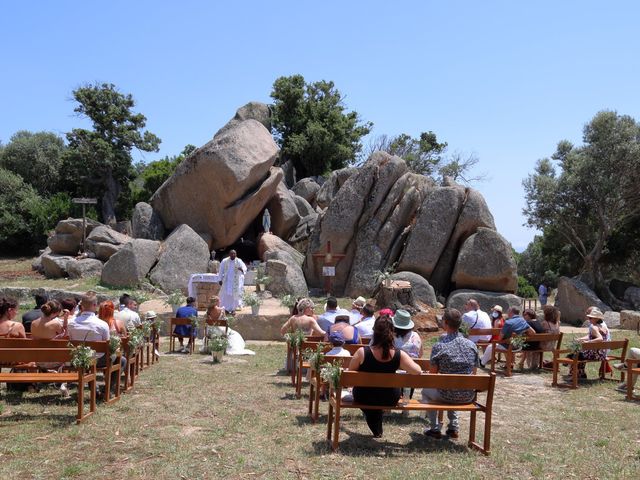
[[545, 337], [326, 346], [484, 331], [606, 345], [25, 355], [180, 321], [479, 383], [98, 346]]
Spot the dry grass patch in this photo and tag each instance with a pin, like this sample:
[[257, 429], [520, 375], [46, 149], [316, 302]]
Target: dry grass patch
[[188, 418]]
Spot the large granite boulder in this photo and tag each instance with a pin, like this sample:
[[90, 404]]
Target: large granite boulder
[[223, 186], [284, 212], [486, 262], [612, 319], [632, 296], [131, 264], [36, 265], [486, 300], [87, 267], [630, 320], [573, 299], [257, 111], [330, 188], [271, 243], [67, 236], [285, 274], [420, 288], [308, 189], [54, 265], [146, 223], [104, 241], [183, 253]]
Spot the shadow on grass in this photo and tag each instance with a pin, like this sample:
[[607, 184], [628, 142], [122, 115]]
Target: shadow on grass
[[356, 444], [56, 419], [17, 398]]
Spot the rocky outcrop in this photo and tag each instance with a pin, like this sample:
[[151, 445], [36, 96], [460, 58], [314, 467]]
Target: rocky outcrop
[[383, 215], [612, 319], [285, 274], [146, 223], [104, 241], [308, 189], [420, 288], [485, 262], [257, 111], [223, 186], [183, 253], [130, 265], [284, 212], [87, 267], [573, 299], [67, 236], [487, 300], [632, 296]]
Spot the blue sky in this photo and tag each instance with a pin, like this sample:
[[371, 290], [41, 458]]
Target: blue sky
[[503, 80]]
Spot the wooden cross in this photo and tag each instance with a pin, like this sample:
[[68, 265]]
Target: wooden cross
[[328, 267]]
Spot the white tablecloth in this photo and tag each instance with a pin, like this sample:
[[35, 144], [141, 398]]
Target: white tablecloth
[[201, 278]]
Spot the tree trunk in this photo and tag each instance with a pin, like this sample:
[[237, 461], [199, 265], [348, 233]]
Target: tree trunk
[[109, 200]]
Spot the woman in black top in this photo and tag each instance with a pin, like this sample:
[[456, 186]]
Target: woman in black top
[[380, 357]]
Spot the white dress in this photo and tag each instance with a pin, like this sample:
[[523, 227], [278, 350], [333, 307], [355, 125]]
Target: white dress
[[236, 342], [232, 283]]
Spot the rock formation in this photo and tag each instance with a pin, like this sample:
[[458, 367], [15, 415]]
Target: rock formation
[[146, 223], [573, 299]]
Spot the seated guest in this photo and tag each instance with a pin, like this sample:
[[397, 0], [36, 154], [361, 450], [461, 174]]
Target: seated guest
[[31, 315], [70, 304], [52, 323], [405, 338], [365, 326], [598, 331], [475, 318], [88, 327], [304, 320], [497, 320], [8, 311], [349, 332], [356, 310], [551, 324], [186, 311], [129, 315], [531, 358], [331, 310], [632, 354], [214, 311], [380, 357], [514, 324], [106, 314], [452, 354], [336, 339]]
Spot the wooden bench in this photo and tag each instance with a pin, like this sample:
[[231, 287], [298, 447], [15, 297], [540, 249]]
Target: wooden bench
[[510, 353], [172, 336], [316, 383], [42, 355], [99, 347], [479, 383], [313, 345], [633, 368], [292, 356], [574, 362], [482, 332]]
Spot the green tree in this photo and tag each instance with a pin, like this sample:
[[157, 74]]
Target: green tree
[[36, 157], [594, 195], [312, 128], [98, 161]]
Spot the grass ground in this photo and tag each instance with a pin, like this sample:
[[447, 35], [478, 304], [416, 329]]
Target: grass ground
[[189, 418]]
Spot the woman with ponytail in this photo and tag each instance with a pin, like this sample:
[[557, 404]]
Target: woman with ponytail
[[8, 311], [381, 357], [106, 314]]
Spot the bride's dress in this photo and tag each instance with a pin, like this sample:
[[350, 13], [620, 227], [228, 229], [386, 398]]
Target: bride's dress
[[236, 342]]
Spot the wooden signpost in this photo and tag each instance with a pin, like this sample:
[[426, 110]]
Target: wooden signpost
[[329, 266], [83, 202]]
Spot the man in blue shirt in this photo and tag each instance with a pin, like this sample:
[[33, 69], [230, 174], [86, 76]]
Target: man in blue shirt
[[514, 324], [328, 318], [189, 310]]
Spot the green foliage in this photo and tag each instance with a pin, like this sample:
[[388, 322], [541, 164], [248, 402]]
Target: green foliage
[[36, 157], [98, 161], [155, 173], [575, 346], [518, 342], [423, 155], [288, 300], [330, 373], [218, 343], [175, 298], [589, 195], [525, 290], [315, 358], [294, 339], [251, 300], [311, 126], [136, 339], [115, 343], [81, 356]]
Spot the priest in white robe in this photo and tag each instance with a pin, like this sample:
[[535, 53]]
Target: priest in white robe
[[232, 271]]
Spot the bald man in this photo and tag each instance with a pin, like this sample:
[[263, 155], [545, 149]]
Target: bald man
[[232, 271], [476, 318]]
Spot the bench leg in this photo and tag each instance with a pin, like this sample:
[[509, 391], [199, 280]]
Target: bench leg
[[80, 416], [487, 433], [556, 366], [329, 421], [472, 428], [316, 403], [336, 426], [92, 386], [311, 398], [107, 384], [574, 374]]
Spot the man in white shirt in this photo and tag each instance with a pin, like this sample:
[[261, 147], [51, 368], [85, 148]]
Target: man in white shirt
[[475, 318], [328, 318], [232, 271], [87, 327], [128, 315], [365, 327]]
